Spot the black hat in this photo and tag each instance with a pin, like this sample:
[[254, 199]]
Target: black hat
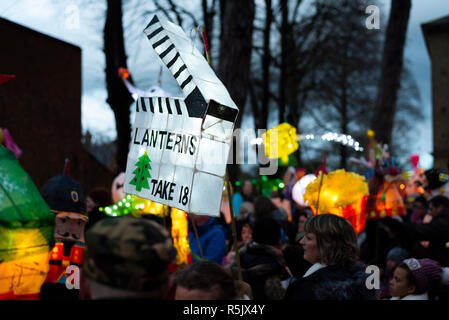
[[62, 193], [433, 178]]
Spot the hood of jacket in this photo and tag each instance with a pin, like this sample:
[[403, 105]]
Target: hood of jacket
[[259, 260], [338, 283]]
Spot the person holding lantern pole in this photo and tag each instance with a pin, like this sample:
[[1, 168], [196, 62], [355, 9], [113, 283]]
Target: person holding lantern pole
[[207, 238], [330, 245], [436, 231]]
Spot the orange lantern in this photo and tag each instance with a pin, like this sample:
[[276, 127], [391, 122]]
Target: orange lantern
[[387, 202], [341, 193]]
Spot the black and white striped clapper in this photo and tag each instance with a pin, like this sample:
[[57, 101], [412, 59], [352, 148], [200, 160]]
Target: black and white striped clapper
[[204, 93], [161, 105]]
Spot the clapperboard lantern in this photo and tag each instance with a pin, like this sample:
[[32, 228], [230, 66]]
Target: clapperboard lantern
[[180, 146]]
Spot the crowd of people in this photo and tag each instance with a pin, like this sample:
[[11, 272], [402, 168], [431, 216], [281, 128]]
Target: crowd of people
[[284, 252]]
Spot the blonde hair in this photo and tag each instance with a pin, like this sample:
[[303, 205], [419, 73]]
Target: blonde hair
[[336, 239]]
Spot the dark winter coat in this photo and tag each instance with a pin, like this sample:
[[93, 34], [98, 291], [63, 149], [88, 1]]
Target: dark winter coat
[[436, 232], [332, 283], [263, 268]]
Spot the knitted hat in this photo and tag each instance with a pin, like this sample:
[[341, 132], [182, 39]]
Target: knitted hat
[[397, 254], [425, 271]]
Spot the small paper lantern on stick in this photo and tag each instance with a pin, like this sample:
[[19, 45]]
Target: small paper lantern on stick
[[280, 141], [341, 193]]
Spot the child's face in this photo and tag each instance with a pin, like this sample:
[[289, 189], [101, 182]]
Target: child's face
[[247, 233], [399, 286]]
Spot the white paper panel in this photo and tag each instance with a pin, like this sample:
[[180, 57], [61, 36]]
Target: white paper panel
[[218, 128], [212, 155], [206, 194]]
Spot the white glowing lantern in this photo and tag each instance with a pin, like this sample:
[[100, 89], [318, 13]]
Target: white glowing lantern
[[299, 189]]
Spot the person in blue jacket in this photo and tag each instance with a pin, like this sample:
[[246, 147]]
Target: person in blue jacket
[[211, 238]]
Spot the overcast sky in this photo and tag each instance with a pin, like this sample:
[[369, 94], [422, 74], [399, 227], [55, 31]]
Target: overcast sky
[[56, 18]]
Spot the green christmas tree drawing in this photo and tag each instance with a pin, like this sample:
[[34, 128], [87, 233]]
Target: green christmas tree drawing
[[142, 173]]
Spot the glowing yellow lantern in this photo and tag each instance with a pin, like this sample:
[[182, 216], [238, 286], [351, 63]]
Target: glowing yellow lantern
[[280, 141], [23, 271], [141, 206], [341, 193], [180, 235]]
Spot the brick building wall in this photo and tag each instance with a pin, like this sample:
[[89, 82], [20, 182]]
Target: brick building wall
[[41, 107]]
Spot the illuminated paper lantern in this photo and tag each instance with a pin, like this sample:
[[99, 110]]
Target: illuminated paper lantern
[[180, 235], [180, 146], [387, 202], [280, 141], [341, 193], [299, 189], [26, 229]]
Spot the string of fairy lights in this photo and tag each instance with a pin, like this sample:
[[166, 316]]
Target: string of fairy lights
[[344, 139]]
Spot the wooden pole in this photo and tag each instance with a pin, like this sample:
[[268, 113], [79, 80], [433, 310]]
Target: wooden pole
[[319, 191], [321, 169], [195, 231], [206, 46], [228, 186]]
